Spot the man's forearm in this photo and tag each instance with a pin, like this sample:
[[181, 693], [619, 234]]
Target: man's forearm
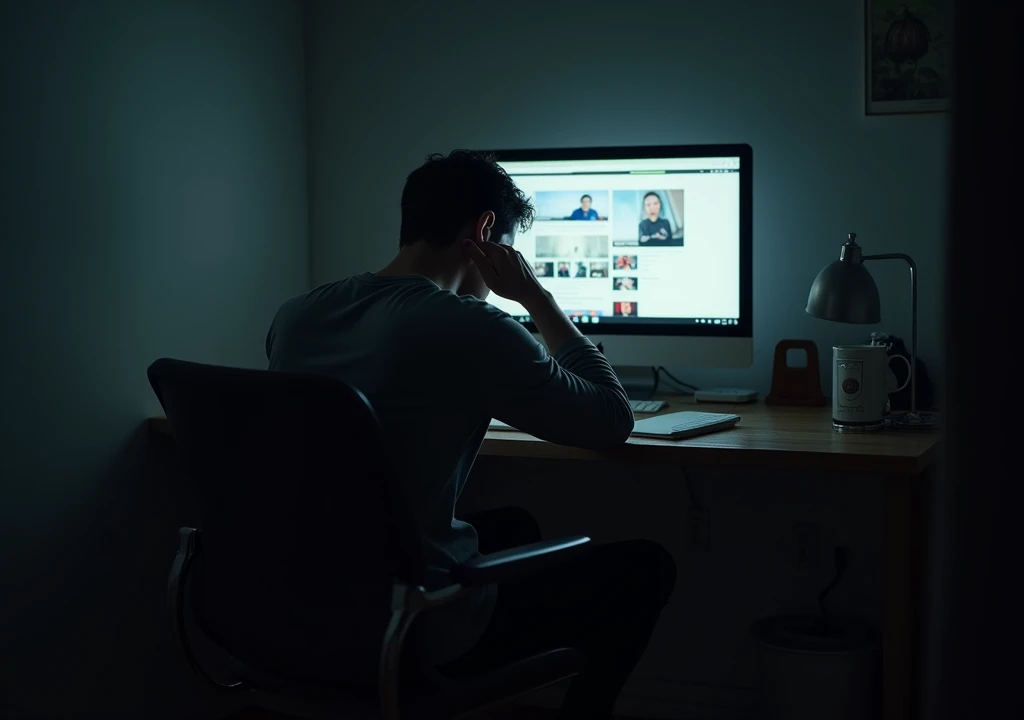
[[551, 322]]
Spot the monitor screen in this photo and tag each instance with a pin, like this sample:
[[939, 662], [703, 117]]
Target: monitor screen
[[639, 240]]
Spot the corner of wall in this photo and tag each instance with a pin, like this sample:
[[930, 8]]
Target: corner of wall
[[308, 136]]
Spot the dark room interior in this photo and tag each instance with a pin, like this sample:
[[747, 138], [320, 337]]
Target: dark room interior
[[173, 171]]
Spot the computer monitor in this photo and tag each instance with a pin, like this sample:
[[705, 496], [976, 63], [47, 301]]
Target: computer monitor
[[647, 249]]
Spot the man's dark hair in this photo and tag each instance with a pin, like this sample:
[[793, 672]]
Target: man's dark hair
[[586, 197], [652, 194], [446, 192]]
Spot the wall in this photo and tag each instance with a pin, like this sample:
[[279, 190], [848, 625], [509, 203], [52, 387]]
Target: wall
[[153, 203], [785, 77], [387, 87]]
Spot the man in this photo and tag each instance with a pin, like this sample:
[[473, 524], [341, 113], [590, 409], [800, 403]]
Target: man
[[584, 211], [437, 363]]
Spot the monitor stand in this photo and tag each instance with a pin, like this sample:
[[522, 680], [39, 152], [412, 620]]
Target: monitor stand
[[639, 382]]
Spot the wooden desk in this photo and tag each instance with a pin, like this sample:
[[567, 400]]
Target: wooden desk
[[766, 437], [799, 439]]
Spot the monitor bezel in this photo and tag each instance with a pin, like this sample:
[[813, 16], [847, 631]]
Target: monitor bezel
[[744, 328]]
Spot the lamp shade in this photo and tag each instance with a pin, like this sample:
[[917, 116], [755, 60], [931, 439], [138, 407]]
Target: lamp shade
[[845, 292]]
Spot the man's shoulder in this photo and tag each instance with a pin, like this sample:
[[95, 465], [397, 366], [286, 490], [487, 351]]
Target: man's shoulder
[[410, 304], [469, 324], [466, 309], [424, 304], [304, 300]]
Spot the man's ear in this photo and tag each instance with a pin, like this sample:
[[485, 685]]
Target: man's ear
[[484, 225]]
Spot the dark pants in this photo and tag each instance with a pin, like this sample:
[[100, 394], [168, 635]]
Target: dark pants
[[604, 602]]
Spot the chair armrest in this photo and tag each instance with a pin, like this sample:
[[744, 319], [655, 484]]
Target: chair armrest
[[516, 562]]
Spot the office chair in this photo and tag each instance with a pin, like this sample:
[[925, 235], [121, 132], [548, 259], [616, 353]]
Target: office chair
[[298, 589]]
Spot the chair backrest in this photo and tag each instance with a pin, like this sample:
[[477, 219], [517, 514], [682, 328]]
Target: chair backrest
[[303, 535]]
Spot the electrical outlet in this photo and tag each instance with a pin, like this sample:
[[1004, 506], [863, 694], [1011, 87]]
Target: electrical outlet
[[700, 530], [806, 547]]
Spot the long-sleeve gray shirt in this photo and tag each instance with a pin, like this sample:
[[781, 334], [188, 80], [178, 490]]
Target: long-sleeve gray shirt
[[437, 367]]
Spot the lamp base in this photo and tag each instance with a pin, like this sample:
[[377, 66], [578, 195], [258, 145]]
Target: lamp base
[[913, 422]]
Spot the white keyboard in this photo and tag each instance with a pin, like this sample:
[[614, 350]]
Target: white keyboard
[[676, 426], [647, 406]]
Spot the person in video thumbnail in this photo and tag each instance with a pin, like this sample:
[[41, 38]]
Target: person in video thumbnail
[[584, 211], [625, 262], [625, 283], [654, 229], [563, 269], [625, 309], [581, 270]]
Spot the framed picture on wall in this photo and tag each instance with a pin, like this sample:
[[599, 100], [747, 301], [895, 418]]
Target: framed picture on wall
[[909, 56]]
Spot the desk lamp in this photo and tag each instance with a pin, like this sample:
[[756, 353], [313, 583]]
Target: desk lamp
[[845, 292]]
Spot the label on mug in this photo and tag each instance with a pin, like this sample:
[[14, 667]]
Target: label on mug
[[858, 385], [851, 381]]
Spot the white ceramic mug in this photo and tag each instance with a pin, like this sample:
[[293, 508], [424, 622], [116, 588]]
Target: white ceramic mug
[[861, 384]]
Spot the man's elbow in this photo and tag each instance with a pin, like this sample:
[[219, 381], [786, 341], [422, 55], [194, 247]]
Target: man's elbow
[[616, 432], [624, 427]]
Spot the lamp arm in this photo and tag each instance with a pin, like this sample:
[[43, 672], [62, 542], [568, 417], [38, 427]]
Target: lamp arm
[[913, 320]]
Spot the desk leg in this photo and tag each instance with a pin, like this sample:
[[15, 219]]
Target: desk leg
[[897, 600]]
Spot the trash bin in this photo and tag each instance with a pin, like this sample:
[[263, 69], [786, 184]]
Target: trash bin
[[813, 668]]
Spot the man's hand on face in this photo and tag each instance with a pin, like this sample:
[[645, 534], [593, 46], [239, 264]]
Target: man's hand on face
[[505, 270]]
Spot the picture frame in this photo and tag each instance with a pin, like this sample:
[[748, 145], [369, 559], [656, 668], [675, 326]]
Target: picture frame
[[908, 56]]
